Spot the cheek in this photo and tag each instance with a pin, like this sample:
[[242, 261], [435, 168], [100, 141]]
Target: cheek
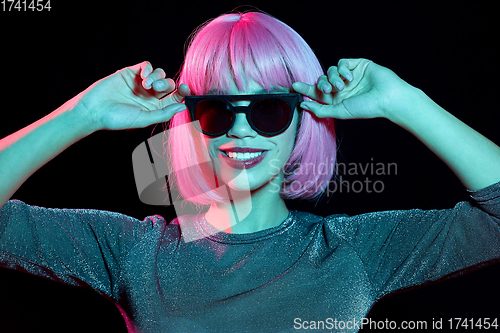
[[288, 139], [211, 145], [285, 145], [285, 149], [210, 152]]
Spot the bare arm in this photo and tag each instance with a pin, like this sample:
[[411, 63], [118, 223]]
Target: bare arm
[[115, 102], [472, 157], [24, 152]]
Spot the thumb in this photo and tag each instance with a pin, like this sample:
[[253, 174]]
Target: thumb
[[165, 114], [147, 118], [338, 111], [362, 106], [355, 107]]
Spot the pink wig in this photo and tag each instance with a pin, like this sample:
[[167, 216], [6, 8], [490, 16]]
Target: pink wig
[[255, 45]]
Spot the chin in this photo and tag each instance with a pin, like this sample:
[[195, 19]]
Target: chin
[[246, 182]]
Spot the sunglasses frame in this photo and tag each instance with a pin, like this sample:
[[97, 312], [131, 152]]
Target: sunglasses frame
[[292, 99]]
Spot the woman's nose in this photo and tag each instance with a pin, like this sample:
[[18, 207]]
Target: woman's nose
[[241, 127]]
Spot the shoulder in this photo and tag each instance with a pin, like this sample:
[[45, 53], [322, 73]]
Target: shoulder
[[16, 212]]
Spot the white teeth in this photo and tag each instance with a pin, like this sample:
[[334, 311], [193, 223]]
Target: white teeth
[[243, 156]]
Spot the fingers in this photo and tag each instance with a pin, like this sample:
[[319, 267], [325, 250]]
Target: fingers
[[152, 77], [154, 81], [313, 91], [163, 86], [322, 91], [335, 81], [145, 69], [339, 76], [176, 97], [324, 85], [306, 89], [345, 70], [343, 93], [327, 87], [183, 92]]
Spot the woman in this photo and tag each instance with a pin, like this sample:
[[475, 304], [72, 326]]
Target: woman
[[269, 269]]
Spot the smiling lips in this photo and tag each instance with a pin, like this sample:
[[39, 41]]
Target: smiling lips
[[241, 157]]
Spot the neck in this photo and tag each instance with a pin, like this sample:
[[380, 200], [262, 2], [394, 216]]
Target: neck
[[248, 212]]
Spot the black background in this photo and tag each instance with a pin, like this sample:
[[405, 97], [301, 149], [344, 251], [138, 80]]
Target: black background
[[449, 51]]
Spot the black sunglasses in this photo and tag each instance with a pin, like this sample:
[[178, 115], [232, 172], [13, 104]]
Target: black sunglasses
[[267, 114]]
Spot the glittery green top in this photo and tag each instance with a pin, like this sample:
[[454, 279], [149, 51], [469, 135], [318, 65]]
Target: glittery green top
[[184, 276]]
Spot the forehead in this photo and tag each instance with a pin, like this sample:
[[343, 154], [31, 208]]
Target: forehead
[[251, 88]]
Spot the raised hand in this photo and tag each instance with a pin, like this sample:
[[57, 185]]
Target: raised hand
[[356, 88], [132, 98], [129, 98]]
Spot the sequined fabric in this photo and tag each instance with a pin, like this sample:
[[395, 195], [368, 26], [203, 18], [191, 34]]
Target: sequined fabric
[[186, 277]]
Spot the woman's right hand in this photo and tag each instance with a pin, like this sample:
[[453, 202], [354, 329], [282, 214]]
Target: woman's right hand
[[133, 97]]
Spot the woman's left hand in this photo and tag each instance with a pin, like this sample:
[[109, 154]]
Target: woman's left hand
[[356, 88], [368, 90]]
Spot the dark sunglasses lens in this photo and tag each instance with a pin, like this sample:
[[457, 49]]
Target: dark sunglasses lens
[[271, 115], [214, 116]]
